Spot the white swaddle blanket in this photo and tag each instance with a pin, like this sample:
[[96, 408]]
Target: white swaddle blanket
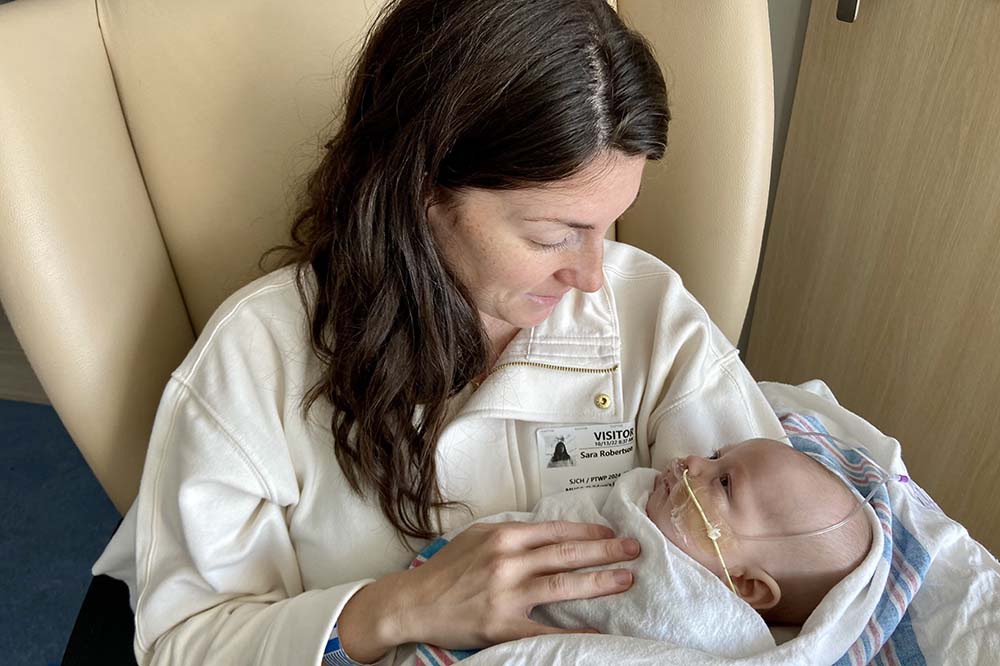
[[672, 598]]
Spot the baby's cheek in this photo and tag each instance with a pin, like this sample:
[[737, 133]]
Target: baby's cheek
[[687, 544]]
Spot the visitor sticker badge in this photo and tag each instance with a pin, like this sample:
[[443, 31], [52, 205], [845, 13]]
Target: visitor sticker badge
[[584, 456]]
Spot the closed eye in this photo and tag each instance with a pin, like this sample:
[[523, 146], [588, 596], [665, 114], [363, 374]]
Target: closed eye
[[551, 247]]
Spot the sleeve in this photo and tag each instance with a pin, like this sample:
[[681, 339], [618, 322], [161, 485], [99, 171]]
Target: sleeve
[[218, 581], [728, 407], [702, 396]]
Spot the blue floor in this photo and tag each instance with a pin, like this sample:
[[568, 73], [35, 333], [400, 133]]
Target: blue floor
[[55, 522]]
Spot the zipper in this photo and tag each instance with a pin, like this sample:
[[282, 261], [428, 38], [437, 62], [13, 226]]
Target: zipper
[[549, 366]]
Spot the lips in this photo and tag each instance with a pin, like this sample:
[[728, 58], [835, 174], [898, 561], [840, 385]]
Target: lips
[[662, 480], [546, 301], [550, 297]]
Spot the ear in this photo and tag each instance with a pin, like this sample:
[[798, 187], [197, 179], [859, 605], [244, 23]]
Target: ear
[[756, 587], [436, 196]]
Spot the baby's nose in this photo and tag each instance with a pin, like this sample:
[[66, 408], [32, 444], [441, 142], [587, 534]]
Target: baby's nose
[[694, 464]]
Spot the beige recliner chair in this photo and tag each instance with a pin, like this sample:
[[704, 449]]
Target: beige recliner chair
[[150, 151]]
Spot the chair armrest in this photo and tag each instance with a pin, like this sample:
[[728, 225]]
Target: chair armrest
[[84, 274]]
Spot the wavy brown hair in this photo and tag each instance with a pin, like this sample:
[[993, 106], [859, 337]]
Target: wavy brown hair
[[445, 95]]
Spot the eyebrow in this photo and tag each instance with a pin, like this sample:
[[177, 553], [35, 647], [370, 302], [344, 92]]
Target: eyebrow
[[569, 223], [573, 224]]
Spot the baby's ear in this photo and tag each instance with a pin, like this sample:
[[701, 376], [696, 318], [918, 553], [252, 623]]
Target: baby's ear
[[756, 587]]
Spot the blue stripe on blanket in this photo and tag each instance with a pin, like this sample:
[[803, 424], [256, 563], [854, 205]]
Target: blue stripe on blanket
[[904, 644], [432, 548], [888, 637]]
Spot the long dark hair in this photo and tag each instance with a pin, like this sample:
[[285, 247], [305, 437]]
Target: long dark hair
[[445, 95]]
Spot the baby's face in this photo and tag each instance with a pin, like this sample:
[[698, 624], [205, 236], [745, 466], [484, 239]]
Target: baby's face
[[759, 487]]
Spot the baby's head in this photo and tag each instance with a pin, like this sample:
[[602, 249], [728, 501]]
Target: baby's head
[[762, 487]]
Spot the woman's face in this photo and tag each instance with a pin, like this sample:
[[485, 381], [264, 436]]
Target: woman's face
[[520, 251]]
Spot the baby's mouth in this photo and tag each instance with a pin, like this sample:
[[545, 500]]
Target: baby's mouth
[[662, 478]]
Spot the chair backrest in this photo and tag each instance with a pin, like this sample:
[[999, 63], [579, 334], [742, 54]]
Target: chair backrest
[[151, 151]]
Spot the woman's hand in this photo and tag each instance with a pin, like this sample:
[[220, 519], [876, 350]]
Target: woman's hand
[[478, 590]]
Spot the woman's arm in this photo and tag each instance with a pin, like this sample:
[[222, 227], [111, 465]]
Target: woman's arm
[[370, 623], [218, 579], [725, 408], [698, 395]]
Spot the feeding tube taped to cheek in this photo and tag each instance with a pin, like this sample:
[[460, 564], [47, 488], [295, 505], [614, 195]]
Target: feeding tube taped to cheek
[[696, 517]]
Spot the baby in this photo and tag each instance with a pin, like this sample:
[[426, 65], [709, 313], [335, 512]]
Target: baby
[[763, 488], [682, 592]]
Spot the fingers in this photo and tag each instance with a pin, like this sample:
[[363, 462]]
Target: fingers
[[534, 535], [577, 554], [578, 585]]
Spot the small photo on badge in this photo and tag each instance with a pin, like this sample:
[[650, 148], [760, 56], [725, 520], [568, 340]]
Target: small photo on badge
[[558, 452]]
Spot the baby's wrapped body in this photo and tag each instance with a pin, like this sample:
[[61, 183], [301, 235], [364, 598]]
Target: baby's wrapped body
[[672, 599], [799, 549]]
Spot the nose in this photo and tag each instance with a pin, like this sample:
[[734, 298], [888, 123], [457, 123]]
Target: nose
[[695, 465], [587, 271]]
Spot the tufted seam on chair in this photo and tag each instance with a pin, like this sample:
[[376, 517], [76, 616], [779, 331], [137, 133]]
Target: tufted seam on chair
[[138, 162]]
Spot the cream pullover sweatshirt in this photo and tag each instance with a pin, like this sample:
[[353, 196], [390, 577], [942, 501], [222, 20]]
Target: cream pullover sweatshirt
[[245, 540]]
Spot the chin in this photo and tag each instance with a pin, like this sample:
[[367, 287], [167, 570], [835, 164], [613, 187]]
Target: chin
[[532, 321], [526, 318]]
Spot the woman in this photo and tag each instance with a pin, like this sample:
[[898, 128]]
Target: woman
[[447, 304]]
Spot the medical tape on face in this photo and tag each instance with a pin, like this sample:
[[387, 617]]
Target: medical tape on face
[[713, 532]]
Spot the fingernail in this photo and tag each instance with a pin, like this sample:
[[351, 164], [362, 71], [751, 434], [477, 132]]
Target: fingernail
[[623, 577], [630, 546]]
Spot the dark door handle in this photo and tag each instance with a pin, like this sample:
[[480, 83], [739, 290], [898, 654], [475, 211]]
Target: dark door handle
[[847, 10]]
